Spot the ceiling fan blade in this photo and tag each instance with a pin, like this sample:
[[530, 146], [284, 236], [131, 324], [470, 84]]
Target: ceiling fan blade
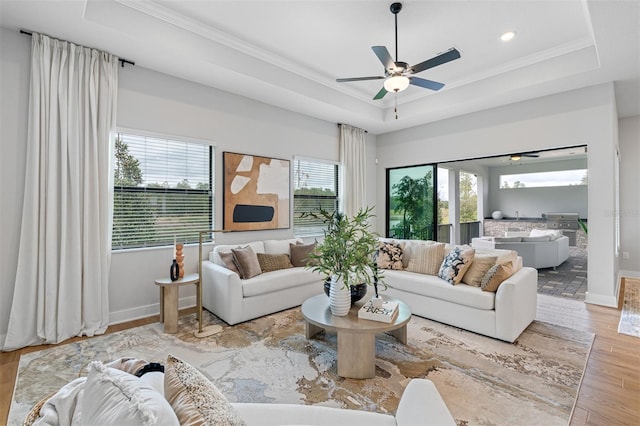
[[344, 80], [380, 94], [427, 84], [385, 57], [443, 58]]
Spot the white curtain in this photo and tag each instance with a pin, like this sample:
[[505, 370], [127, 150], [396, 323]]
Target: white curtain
[[352, 162], [61, 287]]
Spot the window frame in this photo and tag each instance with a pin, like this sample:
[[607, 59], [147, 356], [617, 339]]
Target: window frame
[[336, 198], [160, 191]]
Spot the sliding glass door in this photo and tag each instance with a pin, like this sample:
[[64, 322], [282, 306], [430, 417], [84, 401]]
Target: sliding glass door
[[411, 202]]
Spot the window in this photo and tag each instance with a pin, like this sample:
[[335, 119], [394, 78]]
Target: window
[[412, 207], [315, 187], [162, 191], [544, 179]]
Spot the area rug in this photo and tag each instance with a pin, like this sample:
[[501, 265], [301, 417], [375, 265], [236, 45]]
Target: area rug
[[630, 316], [482, 380]]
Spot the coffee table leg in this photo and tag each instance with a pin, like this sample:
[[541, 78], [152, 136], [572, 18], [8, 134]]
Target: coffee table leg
[[400, 334], [311, 330], [356, 355]]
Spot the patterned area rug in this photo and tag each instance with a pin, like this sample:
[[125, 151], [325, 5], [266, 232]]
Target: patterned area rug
[[482, 380], [630, 316]]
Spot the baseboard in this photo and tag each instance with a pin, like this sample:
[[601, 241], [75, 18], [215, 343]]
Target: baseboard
[[598, 299], [125, 315], [628, 274]]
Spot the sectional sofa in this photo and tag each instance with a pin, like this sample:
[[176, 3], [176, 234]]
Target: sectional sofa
[[502, 314]]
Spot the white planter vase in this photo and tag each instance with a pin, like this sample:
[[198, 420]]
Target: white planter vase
[[339, 298]]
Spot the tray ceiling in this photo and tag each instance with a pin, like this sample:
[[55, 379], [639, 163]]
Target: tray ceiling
[[289, 53]]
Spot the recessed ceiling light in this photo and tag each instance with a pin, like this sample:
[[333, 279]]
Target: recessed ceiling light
[[508, 36]]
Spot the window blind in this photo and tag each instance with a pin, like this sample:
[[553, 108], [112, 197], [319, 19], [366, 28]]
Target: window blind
[[315, 188], [162, 191]]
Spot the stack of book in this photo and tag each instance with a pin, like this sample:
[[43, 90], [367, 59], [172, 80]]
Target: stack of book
[[386, 313]]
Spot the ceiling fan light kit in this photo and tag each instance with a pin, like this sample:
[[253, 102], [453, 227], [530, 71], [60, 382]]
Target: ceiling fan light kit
[[397, 83], [398, 75]]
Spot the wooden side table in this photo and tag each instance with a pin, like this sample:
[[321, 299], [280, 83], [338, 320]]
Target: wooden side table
[[169, 299]]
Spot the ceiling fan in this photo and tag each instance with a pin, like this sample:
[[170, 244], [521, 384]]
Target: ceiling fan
[[398, 75], [516, 157]]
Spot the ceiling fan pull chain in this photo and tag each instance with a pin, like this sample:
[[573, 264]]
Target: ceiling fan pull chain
[[395, 108]]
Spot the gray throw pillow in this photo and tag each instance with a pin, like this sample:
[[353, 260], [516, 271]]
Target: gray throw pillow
[[227, 259], [247, 262], [300, 253]]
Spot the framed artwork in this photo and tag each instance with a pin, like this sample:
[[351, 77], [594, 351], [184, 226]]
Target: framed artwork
[[256, 192]]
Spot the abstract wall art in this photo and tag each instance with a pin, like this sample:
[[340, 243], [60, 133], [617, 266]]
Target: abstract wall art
[[256, 192]]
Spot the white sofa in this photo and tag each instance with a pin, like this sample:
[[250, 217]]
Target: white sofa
[[502, 315], [420, 404], [235, 300], [119, 397], [535, 254]]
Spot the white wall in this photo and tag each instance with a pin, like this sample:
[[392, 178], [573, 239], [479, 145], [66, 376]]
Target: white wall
[[533, 202], [14, 99], [159, 103], [580, 117], [629, 143]]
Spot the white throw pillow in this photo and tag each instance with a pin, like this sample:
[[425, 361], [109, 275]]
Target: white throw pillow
[[113, 397]]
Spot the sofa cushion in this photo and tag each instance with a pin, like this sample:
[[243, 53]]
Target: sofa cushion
[[114, 397], [227, 260], [426, 258], [300, 253], [273, 262], [408, 248], [507, 239], [538, 239], [455, 264], [279, 246], [246, 261], [279, 280], [195, 400], [495, 276], [432, 286], [478, 269], [389, 255]]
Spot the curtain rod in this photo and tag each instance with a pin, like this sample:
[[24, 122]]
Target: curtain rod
[[122, 61], [340, 124]]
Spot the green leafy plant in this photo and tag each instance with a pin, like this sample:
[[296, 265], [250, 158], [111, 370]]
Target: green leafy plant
[[583, 226], [348, 249]]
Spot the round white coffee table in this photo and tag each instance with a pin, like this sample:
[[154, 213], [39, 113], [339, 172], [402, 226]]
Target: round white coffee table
[[356, 337]]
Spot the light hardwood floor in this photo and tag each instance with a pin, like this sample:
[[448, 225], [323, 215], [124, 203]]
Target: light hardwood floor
[[610, 389]]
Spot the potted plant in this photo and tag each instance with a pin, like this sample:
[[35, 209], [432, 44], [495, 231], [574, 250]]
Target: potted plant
[[345, 255]]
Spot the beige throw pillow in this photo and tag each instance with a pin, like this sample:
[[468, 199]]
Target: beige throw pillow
[[495, 276], [300, 253], [273, 262], [194, 399], [478, 269], [455, 264], [246, 261], [426, 258]]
